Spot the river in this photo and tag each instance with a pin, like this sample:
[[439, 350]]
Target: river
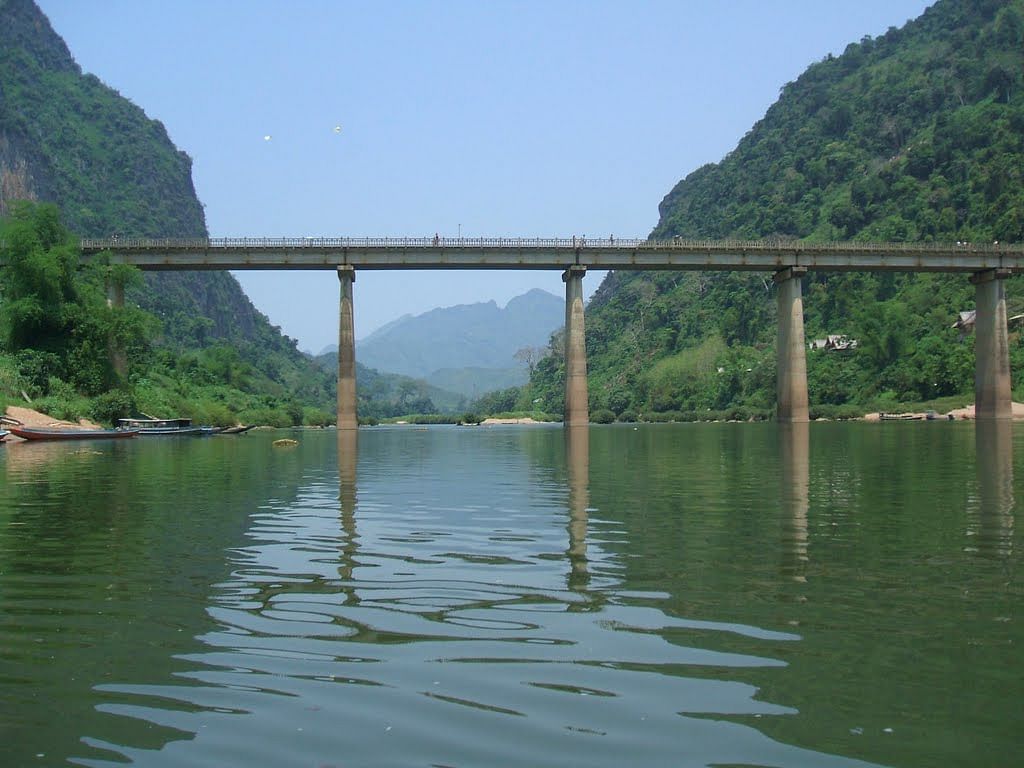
[[657, 595]]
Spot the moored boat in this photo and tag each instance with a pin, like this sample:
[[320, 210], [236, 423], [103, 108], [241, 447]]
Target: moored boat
[[162, 427], [901, 416], [60, 433], [3, 433], [237, 430]]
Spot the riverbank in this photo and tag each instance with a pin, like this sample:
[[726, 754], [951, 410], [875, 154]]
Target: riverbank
[[957, 414], [524, 420], [33, 418]]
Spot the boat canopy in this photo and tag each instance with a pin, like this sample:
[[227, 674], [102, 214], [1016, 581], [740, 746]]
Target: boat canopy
[[154, 423]]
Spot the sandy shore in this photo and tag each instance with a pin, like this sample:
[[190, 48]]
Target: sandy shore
[[31, 418], [956, 414]]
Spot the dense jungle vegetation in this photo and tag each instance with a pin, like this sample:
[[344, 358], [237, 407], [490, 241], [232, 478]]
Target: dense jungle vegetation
[[915, 136]]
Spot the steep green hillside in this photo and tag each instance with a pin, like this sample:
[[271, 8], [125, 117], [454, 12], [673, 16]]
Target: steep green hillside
[[917, 135], [67, 138]]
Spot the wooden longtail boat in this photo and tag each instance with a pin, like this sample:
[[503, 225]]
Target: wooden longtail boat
[[147, 427], [52, 433], [240, 430]]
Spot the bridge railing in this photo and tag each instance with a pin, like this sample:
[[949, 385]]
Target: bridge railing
[[93, 244], [536, 243]]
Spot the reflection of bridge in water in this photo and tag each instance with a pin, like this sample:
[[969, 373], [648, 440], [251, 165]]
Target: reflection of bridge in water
[[993, 442], [987, 265], [990, 515], [990, 521]]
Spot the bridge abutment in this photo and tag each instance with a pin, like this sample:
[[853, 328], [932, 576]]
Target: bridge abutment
[[791, 353], [992, 395], [576, 407], [347, 418]]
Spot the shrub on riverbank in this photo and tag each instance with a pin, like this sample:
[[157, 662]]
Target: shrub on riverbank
[[424, 418], [836, 412]]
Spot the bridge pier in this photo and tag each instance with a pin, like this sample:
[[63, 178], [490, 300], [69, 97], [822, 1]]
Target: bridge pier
[[576, 407], [791, 353], [992, 395], [347, 418], [118, 358]]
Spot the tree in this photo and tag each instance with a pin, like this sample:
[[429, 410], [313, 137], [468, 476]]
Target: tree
[[529, 356], [38, 280], [55, 309]]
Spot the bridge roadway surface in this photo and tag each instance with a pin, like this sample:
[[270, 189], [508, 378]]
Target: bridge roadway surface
[[551, 253]]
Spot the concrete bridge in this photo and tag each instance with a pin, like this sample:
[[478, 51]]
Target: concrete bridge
[[986, 265]]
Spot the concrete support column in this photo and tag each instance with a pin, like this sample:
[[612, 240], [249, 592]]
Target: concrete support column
[[992, 395], [347, 418], [791, 355], [118, 357], [576, 408]]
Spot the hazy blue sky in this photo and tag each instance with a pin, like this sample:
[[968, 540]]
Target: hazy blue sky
[[533, 119]]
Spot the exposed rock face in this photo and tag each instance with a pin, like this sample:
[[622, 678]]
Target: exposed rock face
[[17, 181]]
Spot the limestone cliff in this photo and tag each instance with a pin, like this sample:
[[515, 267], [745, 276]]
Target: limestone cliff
[[67, 138]]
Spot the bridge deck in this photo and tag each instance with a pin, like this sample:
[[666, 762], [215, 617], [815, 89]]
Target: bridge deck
[[552, 253]]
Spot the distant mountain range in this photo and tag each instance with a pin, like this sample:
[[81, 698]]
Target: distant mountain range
[[470, 348]]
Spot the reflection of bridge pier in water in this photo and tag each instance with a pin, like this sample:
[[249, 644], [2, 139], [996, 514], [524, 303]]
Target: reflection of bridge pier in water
[[577, 461], [794, 482], [993, 527], [348, 454]]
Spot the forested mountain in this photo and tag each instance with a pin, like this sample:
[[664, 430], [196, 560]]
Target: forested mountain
[[386, 395], [67, 138], [469, 348], [917, 135]]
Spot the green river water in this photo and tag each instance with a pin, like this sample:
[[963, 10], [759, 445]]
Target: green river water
[[662, 595]]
